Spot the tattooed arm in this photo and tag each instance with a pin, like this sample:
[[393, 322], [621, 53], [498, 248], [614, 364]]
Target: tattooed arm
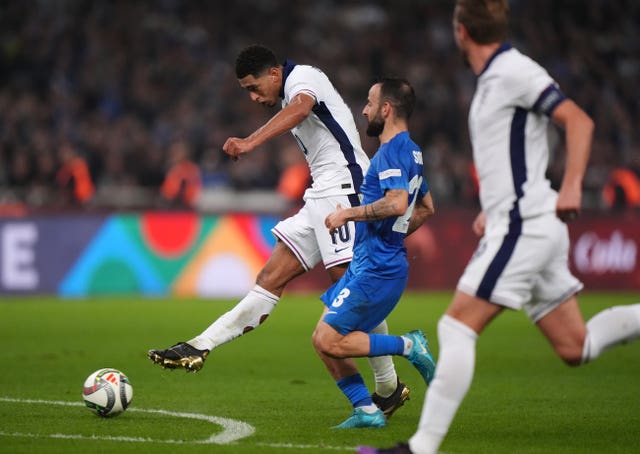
[[394, 203]]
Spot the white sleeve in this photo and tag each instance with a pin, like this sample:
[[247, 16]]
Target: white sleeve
[[534, 88], [302, 80]]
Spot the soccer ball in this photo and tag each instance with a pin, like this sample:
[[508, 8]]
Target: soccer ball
[[107, 392]]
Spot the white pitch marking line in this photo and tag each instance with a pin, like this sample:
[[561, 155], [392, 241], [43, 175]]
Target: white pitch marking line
[[232, 430]]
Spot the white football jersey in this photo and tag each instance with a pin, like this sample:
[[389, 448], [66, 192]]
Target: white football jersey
[[508, 122], [328, 136]]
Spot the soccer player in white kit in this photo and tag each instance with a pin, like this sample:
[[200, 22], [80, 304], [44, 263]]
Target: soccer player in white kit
[[325, 129], [522, 259]]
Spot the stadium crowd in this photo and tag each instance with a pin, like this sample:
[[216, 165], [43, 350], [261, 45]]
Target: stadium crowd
[[140, 96]]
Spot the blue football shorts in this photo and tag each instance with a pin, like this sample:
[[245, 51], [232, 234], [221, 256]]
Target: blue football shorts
[[361, 302]]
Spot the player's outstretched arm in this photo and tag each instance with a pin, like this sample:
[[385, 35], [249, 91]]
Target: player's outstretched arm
[[578, 128], [394, 203], [291, 115], [423, 210]]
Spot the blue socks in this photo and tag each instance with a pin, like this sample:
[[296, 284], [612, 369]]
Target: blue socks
[[385, 344], [354, 388]]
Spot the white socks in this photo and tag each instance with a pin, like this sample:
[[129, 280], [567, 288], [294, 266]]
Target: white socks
[[609, 328], [250, 312], [383, 368], [454, 373]]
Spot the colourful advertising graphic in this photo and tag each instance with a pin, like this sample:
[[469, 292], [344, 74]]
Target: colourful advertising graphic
[[162, 253], [187, 254]]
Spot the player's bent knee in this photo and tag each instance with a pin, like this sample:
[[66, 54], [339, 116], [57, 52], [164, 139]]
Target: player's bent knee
[[315, 340], [334, 350], [328, 349], [319, 342], [326, 346]]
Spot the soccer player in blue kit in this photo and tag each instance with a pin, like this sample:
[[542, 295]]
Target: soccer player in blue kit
[[395, 201]]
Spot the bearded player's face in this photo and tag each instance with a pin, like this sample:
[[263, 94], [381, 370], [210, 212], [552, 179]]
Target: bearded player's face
[[375, 122], [375, 125]]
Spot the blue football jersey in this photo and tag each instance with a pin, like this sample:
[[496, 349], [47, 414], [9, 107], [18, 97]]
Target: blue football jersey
[[379, 246]]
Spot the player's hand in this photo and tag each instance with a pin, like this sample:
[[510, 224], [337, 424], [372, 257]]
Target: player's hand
[[479, 224], [336, 219], [567, 214], [235, 146], [568, 204]]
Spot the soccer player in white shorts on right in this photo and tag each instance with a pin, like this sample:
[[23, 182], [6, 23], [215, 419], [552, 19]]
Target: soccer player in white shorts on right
[[522, 259]]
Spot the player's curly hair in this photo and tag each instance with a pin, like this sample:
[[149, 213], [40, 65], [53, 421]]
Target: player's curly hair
[[486, 21], [255, 60]]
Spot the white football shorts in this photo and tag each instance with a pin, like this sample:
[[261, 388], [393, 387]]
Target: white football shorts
[[526, 268], [309, 239]]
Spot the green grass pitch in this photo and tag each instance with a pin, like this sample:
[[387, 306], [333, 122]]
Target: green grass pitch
[[523, 398]]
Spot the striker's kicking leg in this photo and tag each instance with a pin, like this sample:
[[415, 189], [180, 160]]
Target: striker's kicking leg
[[248, 314]]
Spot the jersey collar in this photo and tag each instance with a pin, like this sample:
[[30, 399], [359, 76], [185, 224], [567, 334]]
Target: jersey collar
[[503, 48], [287, 67]]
